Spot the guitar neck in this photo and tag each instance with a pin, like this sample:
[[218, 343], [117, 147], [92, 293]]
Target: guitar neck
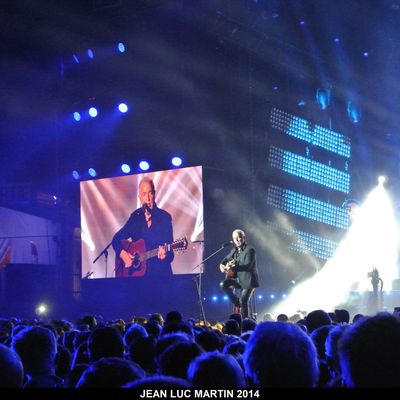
[[151, 253], [148, 254]]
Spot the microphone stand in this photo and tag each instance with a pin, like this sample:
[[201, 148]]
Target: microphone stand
[[105, 252], [197, 281]]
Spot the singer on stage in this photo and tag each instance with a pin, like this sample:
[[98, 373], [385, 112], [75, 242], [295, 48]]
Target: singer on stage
[[240, 267], [151, 225]]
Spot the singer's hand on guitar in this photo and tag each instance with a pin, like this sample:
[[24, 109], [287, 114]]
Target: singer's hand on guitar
[[127, 258], [226, 267], [162, 252]]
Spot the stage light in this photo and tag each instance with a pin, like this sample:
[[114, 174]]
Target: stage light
[[225, 298], [125, 168], [77, 116], [260, 297], [381, 179], [271, 296], [75, 58], [365, 54], [75, 174], [92, 172], [90, 54], [371, 240], [302, 22], [354, 112], [337, 40], [122, 107], [93, 112], [214, 299], [144, 165], [293, 282], [41, 309], [121, 47], [284, 295], [176, 161], [323, 97]]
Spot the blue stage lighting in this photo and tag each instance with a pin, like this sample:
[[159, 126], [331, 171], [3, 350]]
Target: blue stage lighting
[[144, 165], [336, 40], [75, 174], [365, 54], [176, 161], [93, 112], [122, 107], [75, 58], [214, 298], [90, 53], [323, 97], [92, 172], [125, 168], [271, 296], [77, 116], [121, 47], [225, 298], [354, 112], [260, 297]]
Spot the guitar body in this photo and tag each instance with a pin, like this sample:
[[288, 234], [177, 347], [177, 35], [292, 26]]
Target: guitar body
[[229, 274], [138, 267], [141, 255]]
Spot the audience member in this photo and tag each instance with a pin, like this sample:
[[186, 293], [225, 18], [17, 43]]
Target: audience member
[[369, 352], [11, 369], [216, 370], [37, 348], [110, 372], [280, 354]]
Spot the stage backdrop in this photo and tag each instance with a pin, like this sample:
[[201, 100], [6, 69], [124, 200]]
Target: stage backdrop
[[106, 205]]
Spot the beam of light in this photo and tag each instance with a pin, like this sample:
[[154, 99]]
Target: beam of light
[[371, 242]]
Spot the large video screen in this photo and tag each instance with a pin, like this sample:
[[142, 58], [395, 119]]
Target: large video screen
[[115, 217]]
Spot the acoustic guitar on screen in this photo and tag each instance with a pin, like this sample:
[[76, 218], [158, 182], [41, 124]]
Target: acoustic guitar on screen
[[140, 256]]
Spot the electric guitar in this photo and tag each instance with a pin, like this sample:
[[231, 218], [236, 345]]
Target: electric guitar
[[140, 256]]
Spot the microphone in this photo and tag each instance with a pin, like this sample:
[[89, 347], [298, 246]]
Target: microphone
[[226, 244]]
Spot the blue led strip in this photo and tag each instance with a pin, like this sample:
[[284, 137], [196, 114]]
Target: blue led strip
[[308, 169], [314, 134], [306, 243], [307, 207]]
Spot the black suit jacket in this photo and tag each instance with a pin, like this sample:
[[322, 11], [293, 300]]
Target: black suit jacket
[[245, 271]]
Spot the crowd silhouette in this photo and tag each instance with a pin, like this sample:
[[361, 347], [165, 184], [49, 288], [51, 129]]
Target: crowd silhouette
[[317, 350]]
